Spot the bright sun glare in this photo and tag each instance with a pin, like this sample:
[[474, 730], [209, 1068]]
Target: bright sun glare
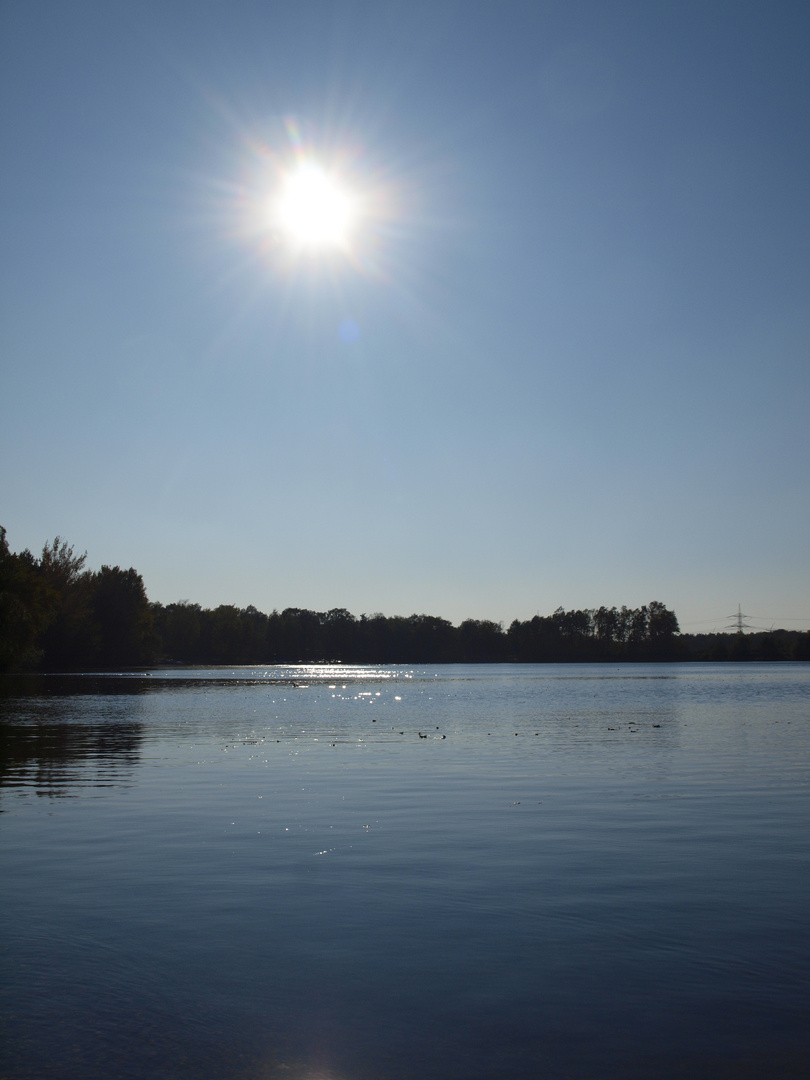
[[313, 210]]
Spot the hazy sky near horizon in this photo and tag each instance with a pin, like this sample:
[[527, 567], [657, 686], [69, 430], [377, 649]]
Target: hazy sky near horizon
[[565, 362]]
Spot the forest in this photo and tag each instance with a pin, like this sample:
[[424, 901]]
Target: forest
[[56, 615]]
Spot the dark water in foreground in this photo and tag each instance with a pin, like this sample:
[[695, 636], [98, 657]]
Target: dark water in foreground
[[580, 871]]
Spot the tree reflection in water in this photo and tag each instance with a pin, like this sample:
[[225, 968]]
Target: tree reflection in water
[[51, 746]]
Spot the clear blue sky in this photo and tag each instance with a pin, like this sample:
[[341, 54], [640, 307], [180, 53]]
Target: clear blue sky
[[567, 365]]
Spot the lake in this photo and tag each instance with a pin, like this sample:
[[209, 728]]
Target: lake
[[494, 872]]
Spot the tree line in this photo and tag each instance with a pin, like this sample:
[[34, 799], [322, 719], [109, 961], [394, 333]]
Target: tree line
[[55, 615], [232, 635]]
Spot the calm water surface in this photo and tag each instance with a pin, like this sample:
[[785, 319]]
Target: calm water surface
[[454, 873]]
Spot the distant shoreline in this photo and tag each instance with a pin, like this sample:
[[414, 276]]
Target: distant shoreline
[[57, 616]]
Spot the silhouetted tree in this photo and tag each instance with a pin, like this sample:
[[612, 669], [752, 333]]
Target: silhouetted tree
[[178, 627], [27, 606], [68, 641], [661, 622], [121, 618], [481, 641]]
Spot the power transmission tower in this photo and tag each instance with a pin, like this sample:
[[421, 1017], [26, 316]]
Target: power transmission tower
[[738, 622]]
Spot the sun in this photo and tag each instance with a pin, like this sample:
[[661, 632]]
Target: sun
[[314, 210]]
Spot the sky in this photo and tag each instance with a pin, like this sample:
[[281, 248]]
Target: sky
[[562, 362]]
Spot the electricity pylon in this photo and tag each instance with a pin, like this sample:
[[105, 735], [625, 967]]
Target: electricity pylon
[[739, 623]]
